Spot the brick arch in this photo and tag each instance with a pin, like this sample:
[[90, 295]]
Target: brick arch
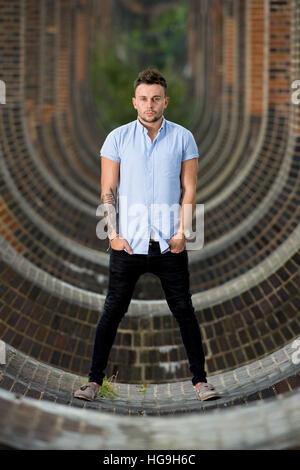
[[53, 269]]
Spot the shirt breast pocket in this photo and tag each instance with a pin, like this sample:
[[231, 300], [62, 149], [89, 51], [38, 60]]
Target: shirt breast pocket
[[169, 164]]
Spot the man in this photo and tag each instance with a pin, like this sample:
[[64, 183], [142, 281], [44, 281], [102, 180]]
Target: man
[[146, 163]]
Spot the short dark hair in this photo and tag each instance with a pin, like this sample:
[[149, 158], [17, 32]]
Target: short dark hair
[[150, 77]]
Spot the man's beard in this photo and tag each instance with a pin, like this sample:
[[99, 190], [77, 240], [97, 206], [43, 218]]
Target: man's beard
[[153, 119]]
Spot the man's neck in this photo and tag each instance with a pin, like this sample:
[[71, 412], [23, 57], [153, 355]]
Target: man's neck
[[152, 127]]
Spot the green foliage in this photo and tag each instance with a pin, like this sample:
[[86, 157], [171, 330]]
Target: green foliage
[[107, 389], [142, 388], [113, 67], [112, 87]]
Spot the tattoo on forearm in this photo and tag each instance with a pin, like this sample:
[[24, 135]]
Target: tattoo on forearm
[[109, 198], [109, 201]]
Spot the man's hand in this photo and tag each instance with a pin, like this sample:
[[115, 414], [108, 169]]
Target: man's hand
[[177, 242], [119, 243]]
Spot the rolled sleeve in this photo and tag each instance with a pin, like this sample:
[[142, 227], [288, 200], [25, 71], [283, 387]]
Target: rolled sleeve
[[190, 147], [109, 148]]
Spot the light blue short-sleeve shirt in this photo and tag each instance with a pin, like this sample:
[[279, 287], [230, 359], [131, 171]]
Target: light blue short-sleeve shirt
[[149, 189]]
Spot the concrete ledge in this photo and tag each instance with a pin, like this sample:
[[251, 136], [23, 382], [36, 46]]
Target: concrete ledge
[[259, 408], [272, 424]]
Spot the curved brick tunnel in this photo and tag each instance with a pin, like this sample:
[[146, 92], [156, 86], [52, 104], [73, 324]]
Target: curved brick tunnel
[[53, 268]]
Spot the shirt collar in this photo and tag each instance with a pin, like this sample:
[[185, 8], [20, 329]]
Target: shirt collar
[[144, 129]]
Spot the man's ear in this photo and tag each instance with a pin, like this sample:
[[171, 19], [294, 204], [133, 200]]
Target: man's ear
[[134, 101]]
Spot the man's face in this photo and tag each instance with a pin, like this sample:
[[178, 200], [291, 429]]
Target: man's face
[[150, 102]]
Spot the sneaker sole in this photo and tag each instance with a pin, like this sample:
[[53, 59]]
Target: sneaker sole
[[209, 397], [84, 398]]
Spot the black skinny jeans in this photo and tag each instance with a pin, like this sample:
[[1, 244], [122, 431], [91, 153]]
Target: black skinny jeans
[[124, 272]]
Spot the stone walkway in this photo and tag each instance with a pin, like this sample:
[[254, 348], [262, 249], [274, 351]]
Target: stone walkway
[[259, 408]]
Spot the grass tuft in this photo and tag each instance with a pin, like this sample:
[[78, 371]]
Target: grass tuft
[[108, 387]]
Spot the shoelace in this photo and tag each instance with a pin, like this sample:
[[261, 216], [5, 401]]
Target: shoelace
[[83, 387], [205, 385]]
